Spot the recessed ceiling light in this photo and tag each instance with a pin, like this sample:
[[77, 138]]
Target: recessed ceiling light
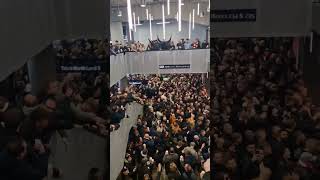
[[143, 3], [168, 22], [120, 13]]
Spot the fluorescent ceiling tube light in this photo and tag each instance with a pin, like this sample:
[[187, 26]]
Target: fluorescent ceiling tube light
[[189, 25], [147, 13], [192, 18], [177, 16], [129, 14], [143, 3], [168, 6], [150, 27], [168, 22], [179, 13], [130, 35], [134, 22], [198, 11], [163, 23]]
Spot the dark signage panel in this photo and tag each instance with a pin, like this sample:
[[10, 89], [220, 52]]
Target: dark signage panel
[[82, 66], [234, 15], [175, 66], [136, 82]]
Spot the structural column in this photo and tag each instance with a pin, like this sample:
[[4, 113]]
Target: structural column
[[42, 69]]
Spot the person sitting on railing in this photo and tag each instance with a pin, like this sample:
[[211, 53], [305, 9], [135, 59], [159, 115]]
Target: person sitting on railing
[[180, 44], [196, 44], [140, 47], [113, 50], [204, 44], [164, 45], [187, 44], [133, 47], [154, 45], [172, 46]]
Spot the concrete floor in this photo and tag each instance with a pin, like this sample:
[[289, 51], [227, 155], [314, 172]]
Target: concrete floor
[[84, 151]]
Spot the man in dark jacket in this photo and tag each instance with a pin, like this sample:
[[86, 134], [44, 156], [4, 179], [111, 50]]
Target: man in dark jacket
[[116, 115], [13, 164]]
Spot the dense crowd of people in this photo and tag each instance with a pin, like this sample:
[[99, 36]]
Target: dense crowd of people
[[264, 125], [171, 138], [157, 45], [28, 121], [81, 49]]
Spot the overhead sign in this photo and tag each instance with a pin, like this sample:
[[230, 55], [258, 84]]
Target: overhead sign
[[175, 66], [234, 15], [135, 82], [263, 18], [80, 68]]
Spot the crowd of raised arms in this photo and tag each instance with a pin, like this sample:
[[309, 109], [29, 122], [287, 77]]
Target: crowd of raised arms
[[264, 125], [157, 45], [171, 138], [28, 122]]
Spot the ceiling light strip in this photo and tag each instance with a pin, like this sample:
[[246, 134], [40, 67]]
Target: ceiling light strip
[[129, 14], [190, 25], [164, 24], [147, 13], [198, 11], [150, 27], [134, 22], [179, 13], [168, 6], [192, 19]]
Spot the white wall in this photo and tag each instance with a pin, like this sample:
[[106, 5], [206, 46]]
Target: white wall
[[116, 31], [143, 32]]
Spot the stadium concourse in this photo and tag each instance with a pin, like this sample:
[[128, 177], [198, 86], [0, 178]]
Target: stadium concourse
[[171, 139], [159, 60]]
